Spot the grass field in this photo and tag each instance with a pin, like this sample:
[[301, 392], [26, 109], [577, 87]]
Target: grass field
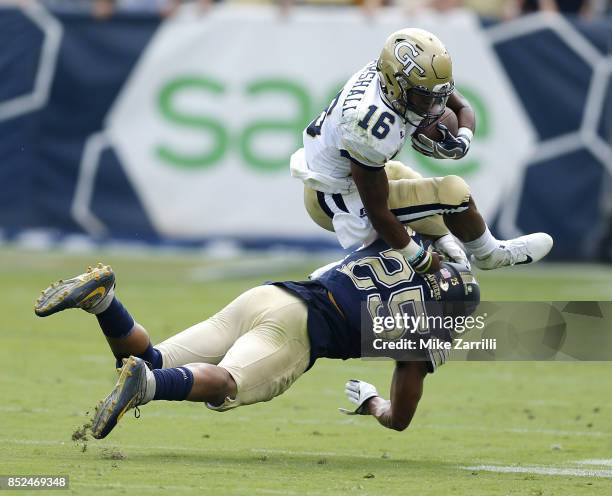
[[481, 429]]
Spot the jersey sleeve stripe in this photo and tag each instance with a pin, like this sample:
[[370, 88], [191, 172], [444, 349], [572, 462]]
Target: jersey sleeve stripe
[[339, 201], [323, 205], [346, 154]]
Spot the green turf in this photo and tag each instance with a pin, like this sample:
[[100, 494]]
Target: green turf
[[54, 370]]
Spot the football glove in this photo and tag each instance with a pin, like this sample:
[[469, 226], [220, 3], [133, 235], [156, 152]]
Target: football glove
[[358, 392], [451, 250], [453, 147]]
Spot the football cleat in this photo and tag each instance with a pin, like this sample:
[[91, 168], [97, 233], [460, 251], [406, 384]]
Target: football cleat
[[84, 291], [129, 392], [519, 251]]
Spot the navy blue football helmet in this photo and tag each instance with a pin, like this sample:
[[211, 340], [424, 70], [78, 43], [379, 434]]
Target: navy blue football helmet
[[456, 286]]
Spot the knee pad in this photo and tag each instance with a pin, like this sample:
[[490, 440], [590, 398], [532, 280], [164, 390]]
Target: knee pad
[[453, 190], [393, 169], [397, 170]]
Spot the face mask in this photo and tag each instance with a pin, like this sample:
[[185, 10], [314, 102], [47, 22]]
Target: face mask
[[413, 118]]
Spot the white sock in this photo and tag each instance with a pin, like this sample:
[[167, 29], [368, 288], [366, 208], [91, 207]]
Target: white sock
[[151, 386], [482, 246], [104, 302]]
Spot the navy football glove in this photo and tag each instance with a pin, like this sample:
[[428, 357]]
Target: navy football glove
[[454, 147]]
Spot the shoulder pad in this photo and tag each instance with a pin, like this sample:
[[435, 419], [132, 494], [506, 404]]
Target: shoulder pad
[[363, 145]]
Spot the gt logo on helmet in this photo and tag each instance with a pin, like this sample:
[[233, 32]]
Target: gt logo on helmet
[[408, 62]]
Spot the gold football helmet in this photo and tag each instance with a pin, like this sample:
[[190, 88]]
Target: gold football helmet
[[416, 74]]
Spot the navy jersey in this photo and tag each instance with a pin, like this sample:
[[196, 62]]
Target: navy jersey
[[375, 281]]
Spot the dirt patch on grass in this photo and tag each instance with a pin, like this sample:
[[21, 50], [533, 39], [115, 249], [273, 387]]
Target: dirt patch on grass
[[81, 435], [113, 454]]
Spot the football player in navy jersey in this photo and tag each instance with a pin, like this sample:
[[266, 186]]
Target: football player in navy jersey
[[258, 345]]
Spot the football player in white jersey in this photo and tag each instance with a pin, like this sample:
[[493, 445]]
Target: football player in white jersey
[[353, 186]]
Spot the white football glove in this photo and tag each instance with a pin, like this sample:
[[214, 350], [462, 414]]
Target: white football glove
[[358, 392], [449, 247]]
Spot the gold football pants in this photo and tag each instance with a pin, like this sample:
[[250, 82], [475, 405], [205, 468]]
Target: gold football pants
[[260, 338], [416, 201]]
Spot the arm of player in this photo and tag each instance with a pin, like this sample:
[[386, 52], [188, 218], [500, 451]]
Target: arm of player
[[406, 391], [466, 117], [453, 147], [373, 187]]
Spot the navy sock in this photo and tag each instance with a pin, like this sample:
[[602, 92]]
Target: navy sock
[[115, 321], [172, 384], [153, 356], [150, 355]]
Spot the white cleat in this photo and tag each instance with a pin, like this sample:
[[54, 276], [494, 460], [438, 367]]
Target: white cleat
[[519, 251]]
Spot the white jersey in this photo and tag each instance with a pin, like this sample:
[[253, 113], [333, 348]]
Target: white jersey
[[358, 126]]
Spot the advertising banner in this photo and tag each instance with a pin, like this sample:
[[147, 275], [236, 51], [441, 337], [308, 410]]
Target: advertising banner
[[182, 131]]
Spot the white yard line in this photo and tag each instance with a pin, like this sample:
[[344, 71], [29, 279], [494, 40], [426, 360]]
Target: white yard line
[[601, 462], [556, 432], [518, 430], [24, 409], [540, 470]]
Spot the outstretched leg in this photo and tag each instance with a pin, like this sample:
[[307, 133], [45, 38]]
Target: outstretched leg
[[489, 252], [138, 385], [94, 292], [434, 206], [271, 354], [417, 200]]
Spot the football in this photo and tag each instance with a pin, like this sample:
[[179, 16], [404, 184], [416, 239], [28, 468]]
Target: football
[[448, 118]]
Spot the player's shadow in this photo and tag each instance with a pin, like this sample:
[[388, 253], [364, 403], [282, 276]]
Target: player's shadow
[[286, 460]]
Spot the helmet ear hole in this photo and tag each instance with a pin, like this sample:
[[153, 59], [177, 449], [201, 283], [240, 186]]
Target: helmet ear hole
[[462, 299]]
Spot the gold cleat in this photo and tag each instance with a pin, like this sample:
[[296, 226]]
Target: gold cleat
[[128, 393], [83, 291]]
